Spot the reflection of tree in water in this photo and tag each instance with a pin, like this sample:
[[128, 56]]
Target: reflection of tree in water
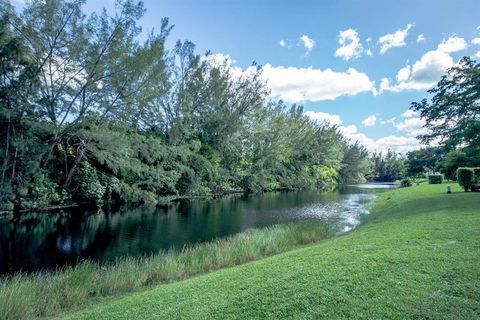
[[42, 240]]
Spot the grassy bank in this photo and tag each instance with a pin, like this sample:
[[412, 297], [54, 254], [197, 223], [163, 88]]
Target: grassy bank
[[50, 293], [417, 258]]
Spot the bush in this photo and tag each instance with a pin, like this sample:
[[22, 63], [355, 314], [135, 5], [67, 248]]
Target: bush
[[466, 178], [89, 186], [435, 179], [43, 194], [406, 182], [476, 173]]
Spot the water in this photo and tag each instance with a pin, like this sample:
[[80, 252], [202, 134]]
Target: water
[[44, 240]]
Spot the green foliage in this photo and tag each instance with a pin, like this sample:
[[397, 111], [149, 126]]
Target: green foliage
[[88, 183], [110, 117], [435, 178], [466, 178], [387, 168], [451, 117], [420, 162], [43, 192], [355, 164], [476, 172], [406, 182], [452, 114]]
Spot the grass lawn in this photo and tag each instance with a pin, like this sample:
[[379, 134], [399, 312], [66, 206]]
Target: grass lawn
[[417, 257]]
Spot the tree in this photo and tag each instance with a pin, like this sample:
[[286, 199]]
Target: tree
[[424, 160], [355, 164], [453, 113], [94, 112], [387, 167], [18, 82], [461, 157]]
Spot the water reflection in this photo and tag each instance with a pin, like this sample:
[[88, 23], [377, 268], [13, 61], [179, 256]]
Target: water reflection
[[44, 240]]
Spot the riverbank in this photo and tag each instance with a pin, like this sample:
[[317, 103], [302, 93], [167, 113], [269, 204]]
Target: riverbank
[[26, 296], [161, 201], [418, 257]]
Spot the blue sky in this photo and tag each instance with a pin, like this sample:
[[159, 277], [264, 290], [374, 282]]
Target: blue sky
[[298, 43]]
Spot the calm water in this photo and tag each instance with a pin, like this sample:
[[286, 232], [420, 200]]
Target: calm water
[[44, 240]]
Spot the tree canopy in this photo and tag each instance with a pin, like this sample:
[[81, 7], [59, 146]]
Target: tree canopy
[[91, 111], [452, 117], [453, 113]]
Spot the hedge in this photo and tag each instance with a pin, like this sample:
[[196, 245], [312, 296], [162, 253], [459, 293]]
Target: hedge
[[435, 179], [466, 178]]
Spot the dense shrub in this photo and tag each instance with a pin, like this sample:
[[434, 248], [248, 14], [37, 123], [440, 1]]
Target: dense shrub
[[89, 186], [42, 193], [476, 173], [435, 179], [466, 178], [406, 182]]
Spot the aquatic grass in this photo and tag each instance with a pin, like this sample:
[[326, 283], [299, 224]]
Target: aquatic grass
[[26, 296]]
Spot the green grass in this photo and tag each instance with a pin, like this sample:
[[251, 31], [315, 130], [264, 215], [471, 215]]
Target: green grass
[[50, 293], [418, 257]]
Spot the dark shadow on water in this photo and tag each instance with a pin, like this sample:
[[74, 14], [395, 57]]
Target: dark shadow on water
[[45, 240]]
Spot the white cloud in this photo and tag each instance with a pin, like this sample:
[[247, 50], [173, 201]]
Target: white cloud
[[403, 143], [396, 143], [477, 55], [391, 121], [369, 121], [427, 71], [369, 52], [409, 113], [476, 41], [324, 117], [452, 44], [403, 74], [350, 46], [309, 84], [422, 75], [282, 43], [308, 43], [421, 38], [293, 84], [396, 39], [412, 126], [368, 39]]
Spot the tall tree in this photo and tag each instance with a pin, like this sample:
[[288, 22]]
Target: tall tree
[[18, 82], [453, 113]]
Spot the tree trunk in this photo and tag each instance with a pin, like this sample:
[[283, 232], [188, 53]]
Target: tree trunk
[[50, 151], [78, 158], [7, 150]]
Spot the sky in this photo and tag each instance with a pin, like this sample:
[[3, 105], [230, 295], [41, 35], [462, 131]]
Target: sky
[[357, 64]]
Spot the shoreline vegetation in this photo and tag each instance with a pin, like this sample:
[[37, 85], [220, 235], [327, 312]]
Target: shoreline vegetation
[[49, 293], [414, 258], [166, 200], [161, 200]]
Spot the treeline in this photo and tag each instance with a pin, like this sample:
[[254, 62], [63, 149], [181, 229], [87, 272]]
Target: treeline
[[89, 112]]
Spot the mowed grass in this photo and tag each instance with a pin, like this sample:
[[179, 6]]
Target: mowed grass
[[418, 257]]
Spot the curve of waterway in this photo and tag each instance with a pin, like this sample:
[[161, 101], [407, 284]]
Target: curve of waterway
[[44, 240]]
